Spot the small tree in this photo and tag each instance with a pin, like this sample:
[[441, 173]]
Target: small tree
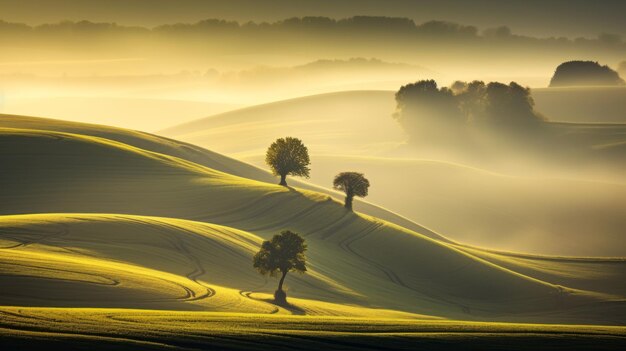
[[288, 156], [284, 253], [353, 184]]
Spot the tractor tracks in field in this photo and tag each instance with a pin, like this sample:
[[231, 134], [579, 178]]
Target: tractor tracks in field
[[247, 293], [180, 246], [42, 237], [347, 245], [38, 236]]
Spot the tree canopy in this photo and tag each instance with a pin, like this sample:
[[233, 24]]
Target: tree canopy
[[424, 97], [508, 105], [288, 156], [426, 111]]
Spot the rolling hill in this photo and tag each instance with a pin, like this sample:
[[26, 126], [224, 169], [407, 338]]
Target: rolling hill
[[538, 209], [191, 153], [328, 123], [348, 115], [133, 113], [92, 175], [96, 229]]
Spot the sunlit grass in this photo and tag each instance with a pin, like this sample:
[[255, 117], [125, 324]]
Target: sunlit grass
[[164, 329]]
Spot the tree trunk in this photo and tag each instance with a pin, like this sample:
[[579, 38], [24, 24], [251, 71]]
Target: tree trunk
[[348, 203], [280, 297], [282, 280], [283, 180]]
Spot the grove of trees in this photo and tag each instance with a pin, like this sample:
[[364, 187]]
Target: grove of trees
[[430, 114]]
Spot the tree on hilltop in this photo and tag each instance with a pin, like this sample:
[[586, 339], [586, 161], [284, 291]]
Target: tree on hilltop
[[288, 156]]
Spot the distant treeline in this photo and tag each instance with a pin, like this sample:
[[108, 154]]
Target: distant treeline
[[441, 46], [367, 25]]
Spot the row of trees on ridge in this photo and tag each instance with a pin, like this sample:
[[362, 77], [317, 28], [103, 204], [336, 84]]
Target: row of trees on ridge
[[288, 156]]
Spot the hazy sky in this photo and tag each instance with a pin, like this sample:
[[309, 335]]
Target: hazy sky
[[533, 17]]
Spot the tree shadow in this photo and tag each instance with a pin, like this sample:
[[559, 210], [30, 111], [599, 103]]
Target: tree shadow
[[292, 189], [286, 305]]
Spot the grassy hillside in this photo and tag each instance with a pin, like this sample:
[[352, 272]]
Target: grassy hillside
[[191, 153], [355, 260], [115, 239], [124, 261], [115, 329], [509, 207]]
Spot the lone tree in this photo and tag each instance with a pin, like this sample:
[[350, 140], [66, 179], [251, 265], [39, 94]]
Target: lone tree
[[353, 184], [284, 253], [288, 156]]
